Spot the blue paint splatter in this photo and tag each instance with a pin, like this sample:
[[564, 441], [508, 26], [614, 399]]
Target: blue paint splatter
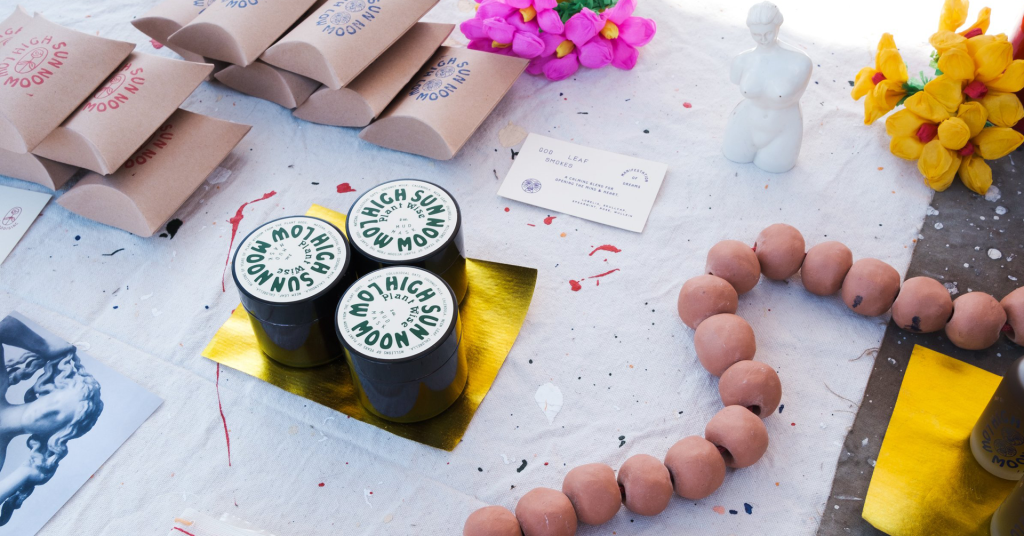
[[781, 407], [115, 307], [733, 512], [747, 508], [78, 237], [207, 306]]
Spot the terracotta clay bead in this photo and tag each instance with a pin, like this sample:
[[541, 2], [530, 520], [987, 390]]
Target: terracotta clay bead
[[696, 467], [739, 435], [977, 321], [825, 267], [704, 296], [923, 305], [594, 493], [780, 251], [546, 512], [753, 385], [645, 484], [735, 262], [1013, 304], [492, 521], [722, 340], [871, 287]]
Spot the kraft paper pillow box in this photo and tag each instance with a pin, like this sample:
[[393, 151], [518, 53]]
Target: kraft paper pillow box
[[142, 195], [268, 83], [238, 31], [13, 24], [339, 40], [104, 132], [363, 99], [32, 168], [445, 103], [168, 17], [46, 71]]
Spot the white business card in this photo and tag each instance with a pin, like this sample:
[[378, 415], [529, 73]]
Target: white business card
[[597, 185], [18, 209]]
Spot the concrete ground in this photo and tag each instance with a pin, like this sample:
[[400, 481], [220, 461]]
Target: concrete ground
[[969, 243]]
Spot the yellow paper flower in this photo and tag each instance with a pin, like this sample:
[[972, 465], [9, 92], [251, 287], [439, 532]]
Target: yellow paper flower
[[1004, 109], [953, 15], [938, 165], [957, 63], [996, 142], [939, 100], [974, 115], [976, 174], [954, 133], [883, 84], [991, 60]]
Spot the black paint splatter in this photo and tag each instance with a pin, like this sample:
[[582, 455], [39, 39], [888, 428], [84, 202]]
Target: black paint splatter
[[622, 441], [857, 301], [173, 226], [521, 467], [480, 469], [514, 153], [915, 324], [115, 252], [78, 237], [781, 407], [646, 131], [748, 508], [733, 512]]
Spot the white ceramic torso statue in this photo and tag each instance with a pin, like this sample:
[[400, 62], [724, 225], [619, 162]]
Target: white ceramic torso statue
[[767, 127]]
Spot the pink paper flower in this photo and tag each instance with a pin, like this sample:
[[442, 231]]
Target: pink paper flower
[[583, 26]]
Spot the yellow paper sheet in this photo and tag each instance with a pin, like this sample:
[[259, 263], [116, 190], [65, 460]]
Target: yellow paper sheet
[[492, 314], [926, 480]]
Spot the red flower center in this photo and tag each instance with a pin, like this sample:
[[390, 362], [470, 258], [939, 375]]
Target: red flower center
[[974, 33], [968, 149], [877, 78], [976, 90], [927, 132]]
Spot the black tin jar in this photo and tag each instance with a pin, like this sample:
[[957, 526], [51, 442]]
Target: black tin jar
[[402, 334], [290, 274], [409, 222]]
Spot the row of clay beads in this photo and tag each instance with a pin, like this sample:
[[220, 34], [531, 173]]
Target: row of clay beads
[[868, 287], [694, 468]]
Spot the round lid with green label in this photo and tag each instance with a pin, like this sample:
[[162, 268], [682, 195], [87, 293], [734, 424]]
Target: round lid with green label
[[402, 221], [290, 260], [396, 313]]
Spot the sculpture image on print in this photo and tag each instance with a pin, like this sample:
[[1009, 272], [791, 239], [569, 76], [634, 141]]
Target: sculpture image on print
[[62, 414]]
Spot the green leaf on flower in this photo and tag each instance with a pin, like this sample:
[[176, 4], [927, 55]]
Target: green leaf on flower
[[569, 8]]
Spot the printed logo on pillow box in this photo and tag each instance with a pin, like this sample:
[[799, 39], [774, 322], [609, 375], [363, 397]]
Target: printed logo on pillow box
[[1002, 438], [117, 90], [347, 17], [240, 3], [8, 34], [441, 80], [152, 148], [32, 62], [10, 219]]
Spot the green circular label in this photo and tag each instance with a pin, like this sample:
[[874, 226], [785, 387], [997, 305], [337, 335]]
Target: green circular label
[[395, 313], [290, 259], [403, 220]]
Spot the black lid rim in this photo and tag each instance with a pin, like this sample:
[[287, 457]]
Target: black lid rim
[[310, 299], [439, 251], [425, 353]]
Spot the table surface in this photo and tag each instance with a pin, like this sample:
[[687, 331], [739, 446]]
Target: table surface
[[617, 351], [955, 252]]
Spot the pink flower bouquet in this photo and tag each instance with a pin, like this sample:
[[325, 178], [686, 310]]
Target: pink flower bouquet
[[560, 35]]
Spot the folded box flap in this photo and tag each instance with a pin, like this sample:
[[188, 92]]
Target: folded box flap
[[147, 190], [409, 135], [303, 58], [209, 40], [32, 168], [268, 83], [336, 107]]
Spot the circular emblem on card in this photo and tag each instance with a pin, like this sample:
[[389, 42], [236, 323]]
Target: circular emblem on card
[[532, 186], [31, 60], [635, 175], [290, 259], [10, 219], [340, 18], [113, 85], [395, 313], [402, 221]]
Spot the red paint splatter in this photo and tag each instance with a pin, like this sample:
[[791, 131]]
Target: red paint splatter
[[574, 285], [606, 247], [227, 438], [183, 530], [549, 219], [234, 230], [604, 274], [531, 225], [720, 510], [687, 105], [321, 484], [506, 209], [792, 424], [345, 188], [156, 44]]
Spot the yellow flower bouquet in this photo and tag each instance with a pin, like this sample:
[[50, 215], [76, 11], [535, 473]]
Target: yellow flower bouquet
[[952, 123]]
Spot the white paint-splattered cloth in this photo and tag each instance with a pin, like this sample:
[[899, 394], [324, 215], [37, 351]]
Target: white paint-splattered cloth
[[621, 358]]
